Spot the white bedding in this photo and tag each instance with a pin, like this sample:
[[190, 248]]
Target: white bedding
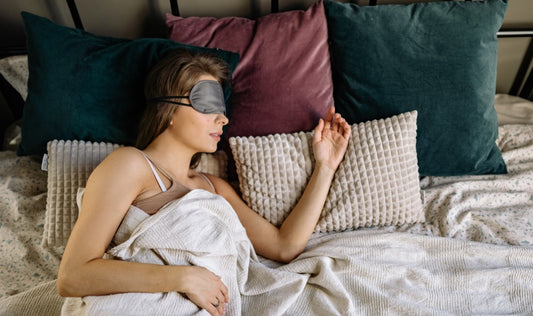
[[487, 217], [496, 209], [349, 273], [23, 262]]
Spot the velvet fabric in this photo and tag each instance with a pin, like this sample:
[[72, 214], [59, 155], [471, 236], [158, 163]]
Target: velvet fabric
[[87, 87], [438, 58], [283, 82]]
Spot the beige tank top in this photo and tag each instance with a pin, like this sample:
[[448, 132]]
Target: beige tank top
[[176, 190]]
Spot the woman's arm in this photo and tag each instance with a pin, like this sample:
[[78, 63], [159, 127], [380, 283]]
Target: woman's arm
[[110, 190], [284, 244]]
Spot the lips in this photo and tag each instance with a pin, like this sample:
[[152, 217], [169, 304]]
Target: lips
[[217, 135]]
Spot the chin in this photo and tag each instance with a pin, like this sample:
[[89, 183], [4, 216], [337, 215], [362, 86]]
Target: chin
[[210, 150]]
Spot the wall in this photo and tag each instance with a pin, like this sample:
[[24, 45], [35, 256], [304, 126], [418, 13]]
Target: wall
[[145, 18]]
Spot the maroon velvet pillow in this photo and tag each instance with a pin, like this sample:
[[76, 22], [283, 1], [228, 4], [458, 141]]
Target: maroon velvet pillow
[[283, 82]]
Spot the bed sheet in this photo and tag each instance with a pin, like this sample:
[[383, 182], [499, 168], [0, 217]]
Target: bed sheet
[[23, 262], [496, 209]]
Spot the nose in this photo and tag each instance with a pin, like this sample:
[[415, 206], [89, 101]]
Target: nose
[[222, 118]]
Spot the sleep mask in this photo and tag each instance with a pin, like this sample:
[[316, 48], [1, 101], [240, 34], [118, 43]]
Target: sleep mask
[[206, 97]]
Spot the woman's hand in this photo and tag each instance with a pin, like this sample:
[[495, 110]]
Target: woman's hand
[[331, 140], [206, 290]]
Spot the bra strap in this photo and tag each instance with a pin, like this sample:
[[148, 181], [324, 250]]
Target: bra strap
[[208, 181], [161, 184]]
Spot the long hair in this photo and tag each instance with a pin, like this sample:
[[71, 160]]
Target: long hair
[[174, 74]]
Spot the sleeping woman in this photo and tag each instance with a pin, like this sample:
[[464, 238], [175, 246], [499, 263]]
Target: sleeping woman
[[184, 116]]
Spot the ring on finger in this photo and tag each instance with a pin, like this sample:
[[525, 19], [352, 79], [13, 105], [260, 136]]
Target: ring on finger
[[217, 304]]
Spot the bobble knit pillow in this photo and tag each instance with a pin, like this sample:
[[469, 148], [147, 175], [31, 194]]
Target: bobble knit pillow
[[377, 183]]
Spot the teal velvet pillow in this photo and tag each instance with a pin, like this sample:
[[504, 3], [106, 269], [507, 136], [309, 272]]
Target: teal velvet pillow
[[438, 58], [87, 87]]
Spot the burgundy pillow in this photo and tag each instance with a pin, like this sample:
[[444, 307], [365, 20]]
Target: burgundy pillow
[[283, 82]]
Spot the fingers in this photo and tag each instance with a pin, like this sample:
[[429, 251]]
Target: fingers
[[340, 126], [333, 122], [218, 307], [215, 306], [208, 292], [212, 310], [337, 122], [347, 130], [225, 293], [329, 117], [222, 298], [318, 131]]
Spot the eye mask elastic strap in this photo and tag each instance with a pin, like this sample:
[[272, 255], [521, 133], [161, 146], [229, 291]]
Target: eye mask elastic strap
[[166, 99]]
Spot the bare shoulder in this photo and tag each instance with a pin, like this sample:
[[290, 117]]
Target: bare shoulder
[[127, 161], [125, 154]]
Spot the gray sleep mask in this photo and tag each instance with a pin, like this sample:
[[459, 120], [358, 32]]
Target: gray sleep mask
[[206, 97]]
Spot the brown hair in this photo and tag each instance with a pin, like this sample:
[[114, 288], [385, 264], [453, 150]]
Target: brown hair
[[175, 74]]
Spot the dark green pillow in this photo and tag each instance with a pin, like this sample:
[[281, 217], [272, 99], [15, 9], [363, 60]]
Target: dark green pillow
[[87, 87], [438, 58]]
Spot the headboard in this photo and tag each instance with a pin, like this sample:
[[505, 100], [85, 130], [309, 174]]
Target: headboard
[[523, 83]]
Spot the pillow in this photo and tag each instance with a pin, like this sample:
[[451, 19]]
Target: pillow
[[376, 184], [438, 58], [283, 81], [87, 87], [69, 165]]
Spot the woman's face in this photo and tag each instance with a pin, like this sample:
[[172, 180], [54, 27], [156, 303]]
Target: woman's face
[[201, 132]]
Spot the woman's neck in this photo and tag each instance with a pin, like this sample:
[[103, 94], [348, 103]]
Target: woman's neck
[[172, 158]]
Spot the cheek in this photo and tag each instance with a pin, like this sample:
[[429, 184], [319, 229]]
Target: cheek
[[194, 126], [187, 116], [203, 119]]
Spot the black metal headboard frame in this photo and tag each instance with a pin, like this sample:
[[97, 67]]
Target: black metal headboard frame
[[523, 83]]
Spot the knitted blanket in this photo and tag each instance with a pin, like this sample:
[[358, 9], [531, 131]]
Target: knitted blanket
[[199, 229], [347, 273]]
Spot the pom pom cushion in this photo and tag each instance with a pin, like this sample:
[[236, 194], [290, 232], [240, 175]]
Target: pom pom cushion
[[87, 87], [377, 183], [283, 82], [438, 58]]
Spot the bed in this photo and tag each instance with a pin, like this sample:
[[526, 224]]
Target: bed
[[430, 213]]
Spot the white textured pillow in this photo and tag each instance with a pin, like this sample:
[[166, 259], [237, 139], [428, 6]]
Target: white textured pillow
[[377, 183], [69, 165]]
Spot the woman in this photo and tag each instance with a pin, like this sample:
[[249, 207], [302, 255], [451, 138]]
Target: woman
[[184, 116]]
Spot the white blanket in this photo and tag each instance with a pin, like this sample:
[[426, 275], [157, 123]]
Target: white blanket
[[349, 273], [199, 229]]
